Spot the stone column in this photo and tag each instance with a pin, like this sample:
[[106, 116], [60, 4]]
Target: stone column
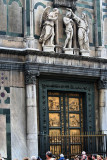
[[31, 102], [103, 104], [31, 43]]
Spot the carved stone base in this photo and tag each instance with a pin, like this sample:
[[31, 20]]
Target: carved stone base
[[48, 48], [30, 43], [68, 51], [85, 53], [76, 51], [101, 52]]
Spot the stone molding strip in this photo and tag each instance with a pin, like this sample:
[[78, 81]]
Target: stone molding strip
[[25, 52]]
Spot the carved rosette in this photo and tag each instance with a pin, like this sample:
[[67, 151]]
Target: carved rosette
[[102, 84], [30, 77]]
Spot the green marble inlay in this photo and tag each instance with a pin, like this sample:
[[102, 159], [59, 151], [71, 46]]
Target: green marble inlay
[[8, 118], [28, 16], [4, 1], [99, 23], [7, 101], [84, 6], [104, 4], [7, 89], [39, 4], [18, 1], [8, 131], [15, 34], [104, 10], [104, 16], [87, 0]]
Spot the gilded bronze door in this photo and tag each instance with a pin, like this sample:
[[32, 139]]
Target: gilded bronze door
[[65, 113]]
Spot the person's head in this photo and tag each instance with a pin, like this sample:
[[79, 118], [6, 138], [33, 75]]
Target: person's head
[[83, 15], [68, 14], [34, 157], [94, 156], [26, 158], [49, 155], [98, 157], [76, 157], [61, 155], [84, 155], [56, 10]]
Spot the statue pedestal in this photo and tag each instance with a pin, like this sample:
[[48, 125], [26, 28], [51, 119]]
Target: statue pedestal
[[85, 53], [76, 51], [48, 48], [68, 51]]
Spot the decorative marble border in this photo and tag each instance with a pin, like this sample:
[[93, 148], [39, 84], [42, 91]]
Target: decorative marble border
[[8, 130]]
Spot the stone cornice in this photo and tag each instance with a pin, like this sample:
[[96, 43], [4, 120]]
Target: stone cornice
[[50, 69], [54, 55], [47, 69]]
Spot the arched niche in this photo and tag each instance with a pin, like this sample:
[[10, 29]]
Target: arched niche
[[15, 17], [38, 10], [3, 16]]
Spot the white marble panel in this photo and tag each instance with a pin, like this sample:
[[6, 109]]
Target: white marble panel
[[3, 141], [15, 18], [18, 123], [3, 16]]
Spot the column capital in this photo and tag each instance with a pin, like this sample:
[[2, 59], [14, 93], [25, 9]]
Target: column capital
[[102, 84], [31, 76]]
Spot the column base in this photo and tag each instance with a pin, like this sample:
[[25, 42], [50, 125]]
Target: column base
[[85, 53], [48, 48], [31, 43], [59, 48], [68, 51], [101, 52], [76, 51]]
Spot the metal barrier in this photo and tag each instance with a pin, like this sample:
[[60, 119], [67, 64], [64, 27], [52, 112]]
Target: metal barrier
[[71, 145]]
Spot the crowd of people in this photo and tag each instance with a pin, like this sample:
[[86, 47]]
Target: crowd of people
[[50, 156]]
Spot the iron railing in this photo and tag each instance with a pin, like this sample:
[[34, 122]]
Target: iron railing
[[71, 145]]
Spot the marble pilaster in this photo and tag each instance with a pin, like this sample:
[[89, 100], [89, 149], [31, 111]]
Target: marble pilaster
[[31, 101], [103, 104], [30, 41]]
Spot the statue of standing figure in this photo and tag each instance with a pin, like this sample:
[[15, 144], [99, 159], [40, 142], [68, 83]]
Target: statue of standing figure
[[47, 24], [69, 29], [83, 31]]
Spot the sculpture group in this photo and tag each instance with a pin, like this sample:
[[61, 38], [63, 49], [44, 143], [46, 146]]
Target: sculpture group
[[48, 22]]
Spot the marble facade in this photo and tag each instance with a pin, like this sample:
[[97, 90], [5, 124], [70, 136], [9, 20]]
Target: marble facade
[[23, 64]]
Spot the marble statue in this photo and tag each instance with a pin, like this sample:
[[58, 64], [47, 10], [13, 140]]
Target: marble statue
[[83, 31], [47, 24], [69, 30]]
